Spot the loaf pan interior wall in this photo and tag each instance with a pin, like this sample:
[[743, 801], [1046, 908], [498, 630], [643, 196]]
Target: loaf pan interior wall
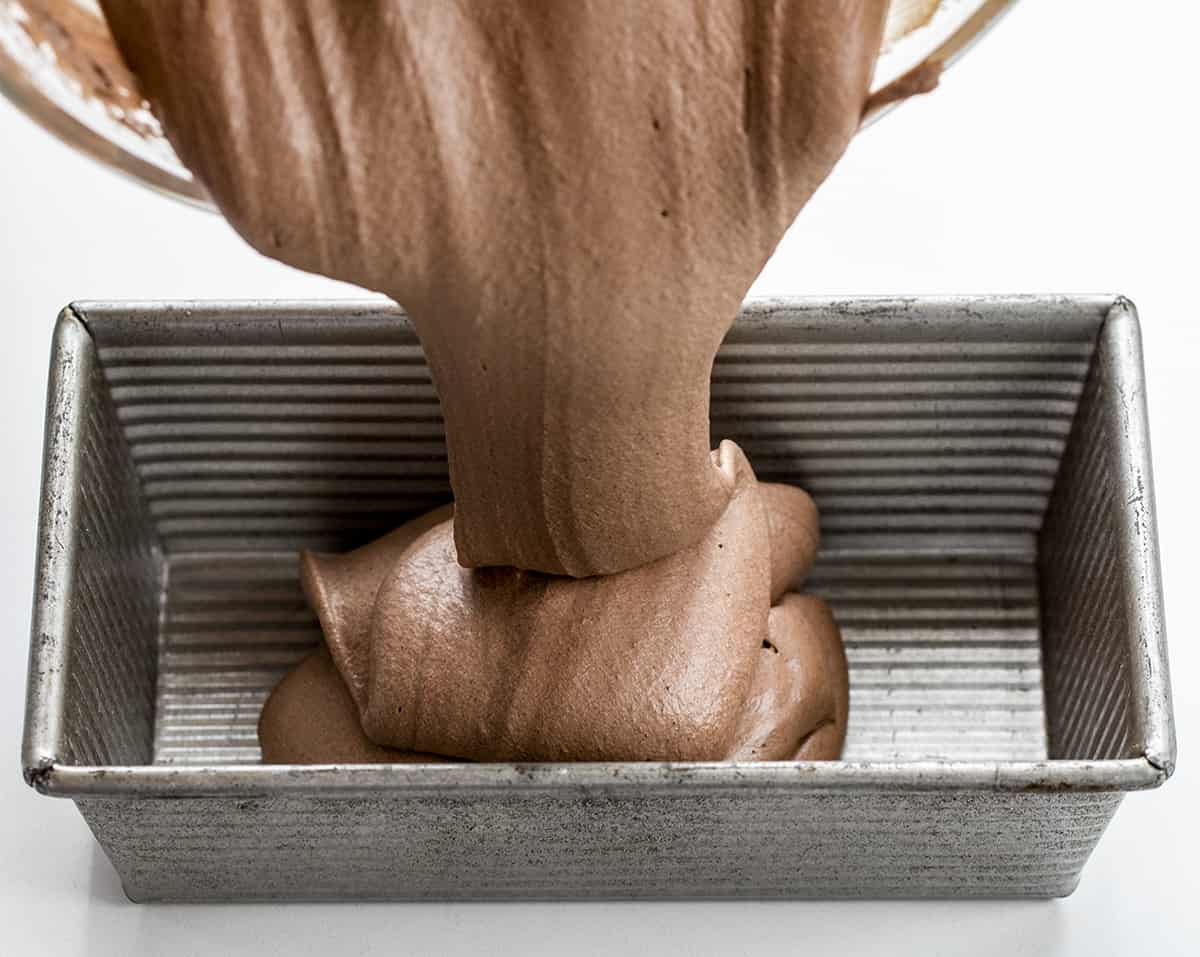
[[931, 436]]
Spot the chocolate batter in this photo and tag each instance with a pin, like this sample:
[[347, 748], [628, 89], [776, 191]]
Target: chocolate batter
[[702, 655], [310, 718], [571, 200]]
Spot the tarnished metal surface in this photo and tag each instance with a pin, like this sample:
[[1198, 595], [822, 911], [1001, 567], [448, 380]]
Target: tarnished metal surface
[[1105, 638], [96, 608], [604, 842], [944, 655], [930, 432], [231, 628]]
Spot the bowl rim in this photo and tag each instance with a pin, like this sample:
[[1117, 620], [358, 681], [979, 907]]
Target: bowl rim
[[948, 45]]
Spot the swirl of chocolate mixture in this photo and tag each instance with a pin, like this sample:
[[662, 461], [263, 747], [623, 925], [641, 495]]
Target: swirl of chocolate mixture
[[707, 654]]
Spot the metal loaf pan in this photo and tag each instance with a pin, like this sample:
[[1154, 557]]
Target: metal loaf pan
[[983, 471]]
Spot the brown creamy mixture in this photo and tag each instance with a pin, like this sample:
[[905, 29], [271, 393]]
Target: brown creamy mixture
[[570, 199]]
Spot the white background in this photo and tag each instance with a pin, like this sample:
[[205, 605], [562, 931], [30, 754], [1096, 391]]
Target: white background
[[1059, 156]]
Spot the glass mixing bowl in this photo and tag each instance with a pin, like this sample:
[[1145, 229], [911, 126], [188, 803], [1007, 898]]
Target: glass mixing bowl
[[59, 64]]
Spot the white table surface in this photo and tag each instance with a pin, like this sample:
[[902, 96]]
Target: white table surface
[[1053, 160]]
